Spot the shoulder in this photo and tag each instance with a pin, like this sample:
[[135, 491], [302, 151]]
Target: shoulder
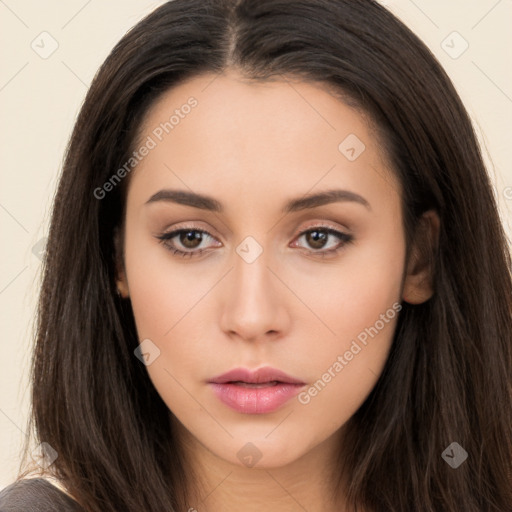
[[36, 495]]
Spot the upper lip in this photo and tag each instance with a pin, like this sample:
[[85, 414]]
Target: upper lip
[[258, 376]]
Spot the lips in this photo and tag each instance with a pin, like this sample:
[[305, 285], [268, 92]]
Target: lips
[[255, 392], [260, 376]]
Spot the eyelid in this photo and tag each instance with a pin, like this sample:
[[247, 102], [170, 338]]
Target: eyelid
[[176, 230], [323, 224], [186, 225], [191, 226]]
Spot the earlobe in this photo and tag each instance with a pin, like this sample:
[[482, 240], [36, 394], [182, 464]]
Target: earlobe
[[121, 282], [419, 278], [122, 288]]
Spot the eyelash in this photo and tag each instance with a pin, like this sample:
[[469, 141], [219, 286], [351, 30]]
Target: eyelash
[[166, 238]]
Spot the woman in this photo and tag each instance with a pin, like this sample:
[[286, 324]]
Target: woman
[[275, 277]]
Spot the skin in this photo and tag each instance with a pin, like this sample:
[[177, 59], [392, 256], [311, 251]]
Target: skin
[[253, 146]]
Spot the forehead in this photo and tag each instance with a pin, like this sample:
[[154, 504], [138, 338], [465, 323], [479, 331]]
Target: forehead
[[281, 134]]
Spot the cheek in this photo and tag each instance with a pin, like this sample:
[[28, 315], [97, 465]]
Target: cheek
[[161, 292], [163, 303], [169, 303], [360, 306], [345, 382], [344, 368], [350, 294]]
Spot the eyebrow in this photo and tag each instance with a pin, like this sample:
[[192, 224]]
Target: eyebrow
[[308, 201]]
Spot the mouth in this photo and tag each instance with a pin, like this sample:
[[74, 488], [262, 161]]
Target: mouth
[[254, 384], [255, 392], [265, 375]]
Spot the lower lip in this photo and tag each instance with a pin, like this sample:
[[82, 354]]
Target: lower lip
[[255, 400]]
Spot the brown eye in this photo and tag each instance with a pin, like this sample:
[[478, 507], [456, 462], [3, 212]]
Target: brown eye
[[317, 238], [322, 240], [185, 242], [191, 239]]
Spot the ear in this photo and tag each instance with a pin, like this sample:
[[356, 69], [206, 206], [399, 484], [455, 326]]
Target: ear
[[418, 282], [121, 281]]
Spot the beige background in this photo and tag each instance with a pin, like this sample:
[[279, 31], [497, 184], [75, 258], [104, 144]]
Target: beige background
[[40, 97]]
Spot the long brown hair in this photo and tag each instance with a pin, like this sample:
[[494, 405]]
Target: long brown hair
[[449, 374]]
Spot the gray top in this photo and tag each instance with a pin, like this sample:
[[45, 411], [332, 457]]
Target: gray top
[[36, 495]]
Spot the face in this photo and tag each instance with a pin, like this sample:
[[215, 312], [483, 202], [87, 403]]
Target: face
[[260, 274]]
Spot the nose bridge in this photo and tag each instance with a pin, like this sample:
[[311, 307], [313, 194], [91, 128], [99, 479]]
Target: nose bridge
[[251, 275], [251, 279], [253, 306]]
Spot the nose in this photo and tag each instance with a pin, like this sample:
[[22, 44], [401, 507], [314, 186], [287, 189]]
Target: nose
[[254, 306]]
